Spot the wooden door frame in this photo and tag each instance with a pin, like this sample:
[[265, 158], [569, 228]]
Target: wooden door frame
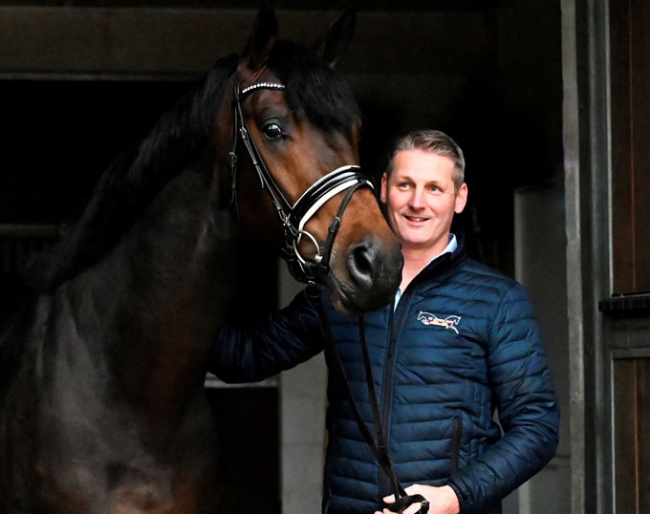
[[603, 329], [587, 167]]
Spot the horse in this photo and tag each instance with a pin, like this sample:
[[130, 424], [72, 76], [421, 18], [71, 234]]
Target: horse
[[103, 357]]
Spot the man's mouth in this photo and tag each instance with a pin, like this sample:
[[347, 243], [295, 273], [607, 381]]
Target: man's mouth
[[415, 218]]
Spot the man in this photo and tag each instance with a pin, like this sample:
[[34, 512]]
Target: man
[[459, 344]]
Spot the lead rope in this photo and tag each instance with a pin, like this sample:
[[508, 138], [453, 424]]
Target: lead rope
[[379, 447]]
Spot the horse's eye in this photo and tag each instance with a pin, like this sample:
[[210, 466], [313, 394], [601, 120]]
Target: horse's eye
[[272, 131]]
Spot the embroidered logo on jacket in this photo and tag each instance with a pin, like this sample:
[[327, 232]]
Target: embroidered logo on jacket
[[431, 319]]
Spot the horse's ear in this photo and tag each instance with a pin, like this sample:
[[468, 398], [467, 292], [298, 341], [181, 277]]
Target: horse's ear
[[333, 44], [261, 40]]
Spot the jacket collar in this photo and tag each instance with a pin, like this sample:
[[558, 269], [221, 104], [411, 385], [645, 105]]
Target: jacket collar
[[447, 261]]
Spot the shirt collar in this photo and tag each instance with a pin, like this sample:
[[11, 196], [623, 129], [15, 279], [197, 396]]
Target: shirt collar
[[450, 248]]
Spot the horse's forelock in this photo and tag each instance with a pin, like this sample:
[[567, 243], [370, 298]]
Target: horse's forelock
[[314, 91]]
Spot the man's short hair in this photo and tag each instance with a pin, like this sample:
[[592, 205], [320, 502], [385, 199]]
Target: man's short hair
[[433, 141]]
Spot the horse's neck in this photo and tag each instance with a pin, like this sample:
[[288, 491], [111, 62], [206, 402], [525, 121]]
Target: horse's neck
[[160, 296]]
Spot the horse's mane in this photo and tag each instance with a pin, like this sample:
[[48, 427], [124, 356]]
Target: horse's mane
[[313, 92], [133, 179]]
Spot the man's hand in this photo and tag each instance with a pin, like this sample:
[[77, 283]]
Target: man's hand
[[442, 500]]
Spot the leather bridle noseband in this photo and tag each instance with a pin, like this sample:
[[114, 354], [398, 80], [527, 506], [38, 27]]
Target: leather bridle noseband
[[294, 217]]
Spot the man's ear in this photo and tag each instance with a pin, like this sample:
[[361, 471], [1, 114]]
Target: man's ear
[[383, 195], [461, 198]]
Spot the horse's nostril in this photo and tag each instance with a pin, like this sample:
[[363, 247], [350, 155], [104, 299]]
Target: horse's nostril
[[361, 264], [374, 271]]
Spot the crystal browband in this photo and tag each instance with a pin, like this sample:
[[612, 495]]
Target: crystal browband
[[261, 85]]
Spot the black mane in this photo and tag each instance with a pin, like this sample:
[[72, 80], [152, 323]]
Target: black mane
[[133, 180]]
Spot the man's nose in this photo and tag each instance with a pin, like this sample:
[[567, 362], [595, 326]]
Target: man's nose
[[416, 200]]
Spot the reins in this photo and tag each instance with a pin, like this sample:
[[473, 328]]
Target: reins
[[294, 217], [378, 445]]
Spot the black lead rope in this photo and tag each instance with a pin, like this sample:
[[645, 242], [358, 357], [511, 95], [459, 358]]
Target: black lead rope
[[379, 447]]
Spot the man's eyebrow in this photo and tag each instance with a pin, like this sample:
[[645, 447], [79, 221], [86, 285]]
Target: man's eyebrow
[[406, 177]]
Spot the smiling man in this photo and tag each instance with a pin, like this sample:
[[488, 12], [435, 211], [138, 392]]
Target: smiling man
[[492, 362], [423, 188], [458, 345]]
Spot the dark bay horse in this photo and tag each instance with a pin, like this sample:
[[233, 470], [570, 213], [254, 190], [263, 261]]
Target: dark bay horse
[[102, 361]]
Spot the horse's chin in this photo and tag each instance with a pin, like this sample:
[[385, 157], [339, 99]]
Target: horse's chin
[[351, 301]]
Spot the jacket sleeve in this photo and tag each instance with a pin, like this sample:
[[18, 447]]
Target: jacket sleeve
[[526, 405], [276, 343]]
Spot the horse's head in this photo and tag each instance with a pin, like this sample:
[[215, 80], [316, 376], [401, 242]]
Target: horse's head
[[296, 135]]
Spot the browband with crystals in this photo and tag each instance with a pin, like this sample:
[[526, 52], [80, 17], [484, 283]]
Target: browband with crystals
[[261, 85]]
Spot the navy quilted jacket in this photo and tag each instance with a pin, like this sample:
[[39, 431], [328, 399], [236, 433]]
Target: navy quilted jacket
[[461, 343]]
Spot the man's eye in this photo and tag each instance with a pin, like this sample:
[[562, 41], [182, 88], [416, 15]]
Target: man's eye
[[435, 190], [272, 131]]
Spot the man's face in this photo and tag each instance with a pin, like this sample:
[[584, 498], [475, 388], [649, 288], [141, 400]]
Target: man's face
[[421, 199]]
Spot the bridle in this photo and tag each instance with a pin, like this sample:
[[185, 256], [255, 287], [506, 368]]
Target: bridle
[[294, 217]]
